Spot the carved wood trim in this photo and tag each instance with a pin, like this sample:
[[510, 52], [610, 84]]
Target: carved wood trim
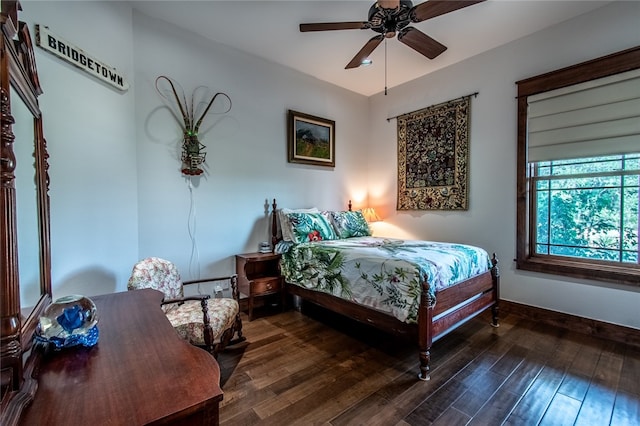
[[10, 350], [19, 82]]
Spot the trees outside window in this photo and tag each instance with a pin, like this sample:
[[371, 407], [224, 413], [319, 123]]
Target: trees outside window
[[588, 208]]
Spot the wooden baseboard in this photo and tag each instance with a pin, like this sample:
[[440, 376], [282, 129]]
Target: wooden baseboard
[[599, 329]]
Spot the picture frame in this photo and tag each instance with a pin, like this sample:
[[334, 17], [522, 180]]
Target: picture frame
[[311, 139]]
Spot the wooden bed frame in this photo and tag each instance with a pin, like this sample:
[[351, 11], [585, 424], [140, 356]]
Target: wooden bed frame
[[454, 306]]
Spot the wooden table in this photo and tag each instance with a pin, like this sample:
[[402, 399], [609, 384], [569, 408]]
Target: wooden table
[[140, 372]]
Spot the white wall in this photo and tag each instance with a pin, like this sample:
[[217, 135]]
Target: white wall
[[490, 220], [246, 148], [117, 194], [91, 140]]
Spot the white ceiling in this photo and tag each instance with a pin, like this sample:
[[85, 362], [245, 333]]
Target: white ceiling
[[269, 29]]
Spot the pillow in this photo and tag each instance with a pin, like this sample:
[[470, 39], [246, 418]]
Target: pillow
[[350, 224], [311, 227], [285, 225], [283, 246]]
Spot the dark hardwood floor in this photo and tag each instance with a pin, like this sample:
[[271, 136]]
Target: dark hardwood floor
[[319, 368]]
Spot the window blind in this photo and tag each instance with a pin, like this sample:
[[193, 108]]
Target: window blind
[[595, 118]]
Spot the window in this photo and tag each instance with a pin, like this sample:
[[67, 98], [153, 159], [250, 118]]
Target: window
[[579, 170], [587, 208]]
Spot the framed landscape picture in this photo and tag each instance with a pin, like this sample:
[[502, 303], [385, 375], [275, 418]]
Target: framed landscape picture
[[311, 139]]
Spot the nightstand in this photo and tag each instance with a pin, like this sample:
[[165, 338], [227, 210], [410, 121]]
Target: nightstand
[[259, 276]]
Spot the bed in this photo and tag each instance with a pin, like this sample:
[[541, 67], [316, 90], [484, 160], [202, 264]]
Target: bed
[[419, 290]]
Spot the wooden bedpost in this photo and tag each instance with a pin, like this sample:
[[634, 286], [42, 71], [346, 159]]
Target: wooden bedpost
[[495, 275], [425, 339], [274, 226]]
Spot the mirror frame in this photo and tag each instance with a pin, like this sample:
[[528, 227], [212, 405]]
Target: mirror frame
[[19, 77]]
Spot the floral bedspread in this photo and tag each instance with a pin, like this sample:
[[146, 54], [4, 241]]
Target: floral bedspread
[[382, 273]]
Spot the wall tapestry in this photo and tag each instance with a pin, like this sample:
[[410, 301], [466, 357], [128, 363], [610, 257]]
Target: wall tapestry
[[433, 151]]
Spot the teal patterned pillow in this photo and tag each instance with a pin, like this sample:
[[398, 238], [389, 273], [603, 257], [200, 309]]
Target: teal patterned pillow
[[350, 224], [311, 227]]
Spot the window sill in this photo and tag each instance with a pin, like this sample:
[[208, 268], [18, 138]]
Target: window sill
[[600, 271]]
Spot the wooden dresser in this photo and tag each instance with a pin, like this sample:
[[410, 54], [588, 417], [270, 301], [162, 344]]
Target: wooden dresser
[[140, 372]]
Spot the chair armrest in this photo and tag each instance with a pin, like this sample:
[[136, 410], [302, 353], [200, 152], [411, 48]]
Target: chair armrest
[[209, 279], [199, 297], [233, 280]]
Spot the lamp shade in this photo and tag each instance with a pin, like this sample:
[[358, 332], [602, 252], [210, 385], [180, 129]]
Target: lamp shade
[[370, 215]]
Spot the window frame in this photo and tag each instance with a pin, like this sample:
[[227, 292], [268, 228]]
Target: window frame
[[526, 257]]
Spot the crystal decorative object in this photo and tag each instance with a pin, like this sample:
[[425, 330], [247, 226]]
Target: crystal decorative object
[[69, 321]]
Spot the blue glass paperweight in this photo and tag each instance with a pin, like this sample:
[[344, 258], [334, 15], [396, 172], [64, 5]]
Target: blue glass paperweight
[[69, 321]]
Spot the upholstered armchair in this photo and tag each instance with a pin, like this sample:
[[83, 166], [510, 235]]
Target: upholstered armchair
[[203, 321]]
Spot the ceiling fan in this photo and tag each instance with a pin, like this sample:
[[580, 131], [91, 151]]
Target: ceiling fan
[[391, 17]]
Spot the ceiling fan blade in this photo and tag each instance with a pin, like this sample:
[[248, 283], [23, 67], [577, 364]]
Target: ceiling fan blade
[[365, 51], [432, 8], [420, 42], [389, 4], [330, 26]]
